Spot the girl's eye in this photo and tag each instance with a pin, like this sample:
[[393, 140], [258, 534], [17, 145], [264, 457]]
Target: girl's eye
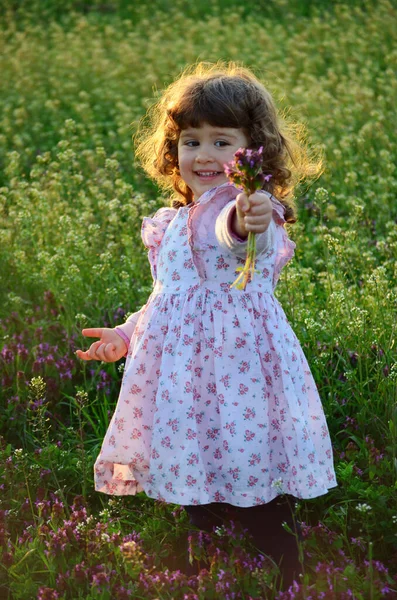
[[194, 143]]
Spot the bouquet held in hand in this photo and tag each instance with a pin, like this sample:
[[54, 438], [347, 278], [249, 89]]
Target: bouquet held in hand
[[246, 171]]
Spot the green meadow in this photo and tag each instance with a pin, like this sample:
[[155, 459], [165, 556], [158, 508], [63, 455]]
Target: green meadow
[[75, 80]]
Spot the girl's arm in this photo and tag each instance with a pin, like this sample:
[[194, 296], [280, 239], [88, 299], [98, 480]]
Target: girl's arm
[[114, 343], [230, 241]]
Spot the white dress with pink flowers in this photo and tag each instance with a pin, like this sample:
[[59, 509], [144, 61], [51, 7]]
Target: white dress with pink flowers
[[217, 402]]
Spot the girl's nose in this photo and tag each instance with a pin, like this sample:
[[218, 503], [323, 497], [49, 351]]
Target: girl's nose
[[203, 156]]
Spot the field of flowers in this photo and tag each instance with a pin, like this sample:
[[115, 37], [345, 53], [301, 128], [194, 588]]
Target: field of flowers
[[73, 84]]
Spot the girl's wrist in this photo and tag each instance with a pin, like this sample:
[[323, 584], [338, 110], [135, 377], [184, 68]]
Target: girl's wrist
[[123, 336]]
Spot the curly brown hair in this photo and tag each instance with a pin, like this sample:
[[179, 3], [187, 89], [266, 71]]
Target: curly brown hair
[[224, 95]]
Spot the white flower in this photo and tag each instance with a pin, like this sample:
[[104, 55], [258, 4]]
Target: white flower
[[278, 484], [363, 508]]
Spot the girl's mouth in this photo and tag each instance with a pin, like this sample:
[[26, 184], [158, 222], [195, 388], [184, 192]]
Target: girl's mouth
[[208, 174]]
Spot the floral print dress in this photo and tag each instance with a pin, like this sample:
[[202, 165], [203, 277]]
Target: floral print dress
[[217, 402]]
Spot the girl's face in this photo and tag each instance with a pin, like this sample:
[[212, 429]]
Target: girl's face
[[202, 152]]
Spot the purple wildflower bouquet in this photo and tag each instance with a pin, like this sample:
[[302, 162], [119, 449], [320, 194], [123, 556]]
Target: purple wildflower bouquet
[[246, 171]]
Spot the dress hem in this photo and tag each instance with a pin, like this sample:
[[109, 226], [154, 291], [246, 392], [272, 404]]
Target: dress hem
[[183, 498]]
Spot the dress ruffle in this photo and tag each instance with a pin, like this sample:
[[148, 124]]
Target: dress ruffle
[[153, 229], [284, 247]]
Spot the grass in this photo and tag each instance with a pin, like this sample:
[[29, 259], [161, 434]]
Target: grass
[[76, 78]]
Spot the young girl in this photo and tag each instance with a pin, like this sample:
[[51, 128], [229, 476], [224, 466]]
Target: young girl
[[218, 410]]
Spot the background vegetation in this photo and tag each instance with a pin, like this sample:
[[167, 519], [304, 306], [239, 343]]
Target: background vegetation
[[76, 77]]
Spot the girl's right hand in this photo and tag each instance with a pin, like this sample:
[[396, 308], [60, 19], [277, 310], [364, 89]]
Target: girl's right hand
[[109, 348]]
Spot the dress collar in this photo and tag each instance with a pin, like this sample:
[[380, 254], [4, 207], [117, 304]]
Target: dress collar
[[228, 188], [232, 190]]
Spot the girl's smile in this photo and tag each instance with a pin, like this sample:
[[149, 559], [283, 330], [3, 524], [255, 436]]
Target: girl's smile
[[202, 153]]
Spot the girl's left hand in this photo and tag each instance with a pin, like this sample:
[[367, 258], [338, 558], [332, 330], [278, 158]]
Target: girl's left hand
[[109, 348], [253, 213]]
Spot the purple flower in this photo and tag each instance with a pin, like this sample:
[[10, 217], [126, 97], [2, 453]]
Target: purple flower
[[66, 375], [7, 355], [246, 169]]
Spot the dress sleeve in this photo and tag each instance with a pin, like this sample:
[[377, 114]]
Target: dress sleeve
[[284, 247], [153, 229], [229, 241]]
